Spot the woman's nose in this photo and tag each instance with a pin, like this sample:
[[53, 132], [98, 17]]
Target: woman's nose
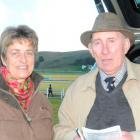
[[23, 57]]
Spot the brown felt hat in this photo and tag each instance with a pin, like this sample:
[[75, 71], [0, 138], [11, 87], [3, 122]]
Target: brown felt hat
[[106, 22]]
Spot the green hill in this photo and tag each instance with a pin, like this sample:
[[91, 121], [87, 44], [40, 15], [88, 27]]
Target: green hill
[[63, 60]]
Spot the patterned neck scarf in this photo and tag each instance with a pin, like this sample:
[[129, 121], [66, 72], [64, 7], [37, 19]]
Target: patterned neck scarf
[[22, 91]]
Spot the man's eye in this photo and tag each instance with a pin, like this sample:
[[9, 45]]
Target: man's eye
[[96, 43], [14, 53], [111, 40]]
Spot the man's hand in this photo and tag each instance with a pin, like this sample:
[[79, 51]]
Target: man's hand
[[77, 138], [125, 136]]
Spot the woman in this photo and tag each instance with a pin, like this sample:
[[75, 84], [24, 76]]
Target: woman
[[25, 113]]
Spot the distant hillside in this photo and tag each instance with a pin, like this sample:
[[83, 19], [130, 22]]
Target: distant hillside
[[63, 60]]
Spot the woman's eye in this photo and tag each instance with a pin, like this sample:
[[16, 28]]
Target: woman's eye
[[14, 53], [31, 53]]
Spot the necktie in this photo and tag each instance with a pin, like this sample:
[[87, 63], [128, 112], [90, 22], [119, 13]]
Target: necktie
[[110, 83]]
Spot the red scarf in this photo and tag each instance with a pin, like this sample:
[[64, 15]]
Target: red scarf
[[22, 91]]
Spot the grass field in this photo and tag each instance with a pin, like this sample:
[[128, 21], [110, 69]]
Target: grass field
[[55, 104], [59, 82]]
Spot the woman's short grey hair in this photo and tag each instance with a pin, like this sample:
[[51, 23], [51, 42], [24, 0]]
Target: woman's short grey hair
[[20, 32]]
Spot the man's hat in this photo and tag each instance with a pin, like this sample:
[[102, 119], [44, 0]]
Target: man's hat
[[106, 22]]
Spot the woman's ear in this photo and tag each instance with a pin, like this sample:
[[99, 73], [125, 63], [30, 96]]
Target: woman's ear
[[3, 61]]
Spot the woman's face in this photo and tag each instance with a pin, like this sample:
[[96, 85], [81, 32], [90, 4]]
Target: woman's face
[[20, 58]]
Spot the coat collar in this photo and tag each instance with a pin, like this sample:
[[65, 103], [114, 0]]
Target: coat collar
[[8, 98], [91, 76], [130, 70], [36, 78]]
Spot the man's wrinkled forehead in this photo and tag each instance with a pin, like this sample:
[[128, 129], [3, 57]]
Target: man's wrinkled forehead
[[110, 34]]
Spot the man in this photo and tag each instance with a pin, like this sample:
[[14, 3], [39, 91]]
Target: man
[[110, 95], [50, 91]]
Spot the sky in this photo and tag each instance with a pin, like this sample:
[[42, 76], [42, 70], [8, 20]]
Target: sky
[[58, 23]]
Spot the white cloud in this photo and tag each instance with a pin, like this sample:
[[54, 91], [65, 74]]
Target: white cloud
[[4, 15], [58, 23]]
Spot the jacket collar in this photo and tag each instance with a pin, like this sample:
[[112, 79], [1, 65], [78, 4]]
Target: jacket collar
[[90, 80], [130, 70], [91, 76], [8, 98], [36, 78]]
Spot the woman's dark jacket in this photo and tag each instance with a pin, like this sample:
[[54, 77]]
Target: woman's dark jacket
[[17, 124]]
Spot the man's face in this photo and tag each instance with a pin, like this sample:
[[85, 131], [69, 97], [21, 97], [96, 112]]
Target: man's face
[[109, 49]]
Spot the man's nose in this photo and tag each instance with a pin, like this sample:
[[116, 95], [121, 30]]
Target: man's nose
[[105, 48]]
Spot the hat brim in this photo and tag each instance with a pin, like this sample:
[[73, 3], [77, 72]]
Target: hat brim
[[86, 36]]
